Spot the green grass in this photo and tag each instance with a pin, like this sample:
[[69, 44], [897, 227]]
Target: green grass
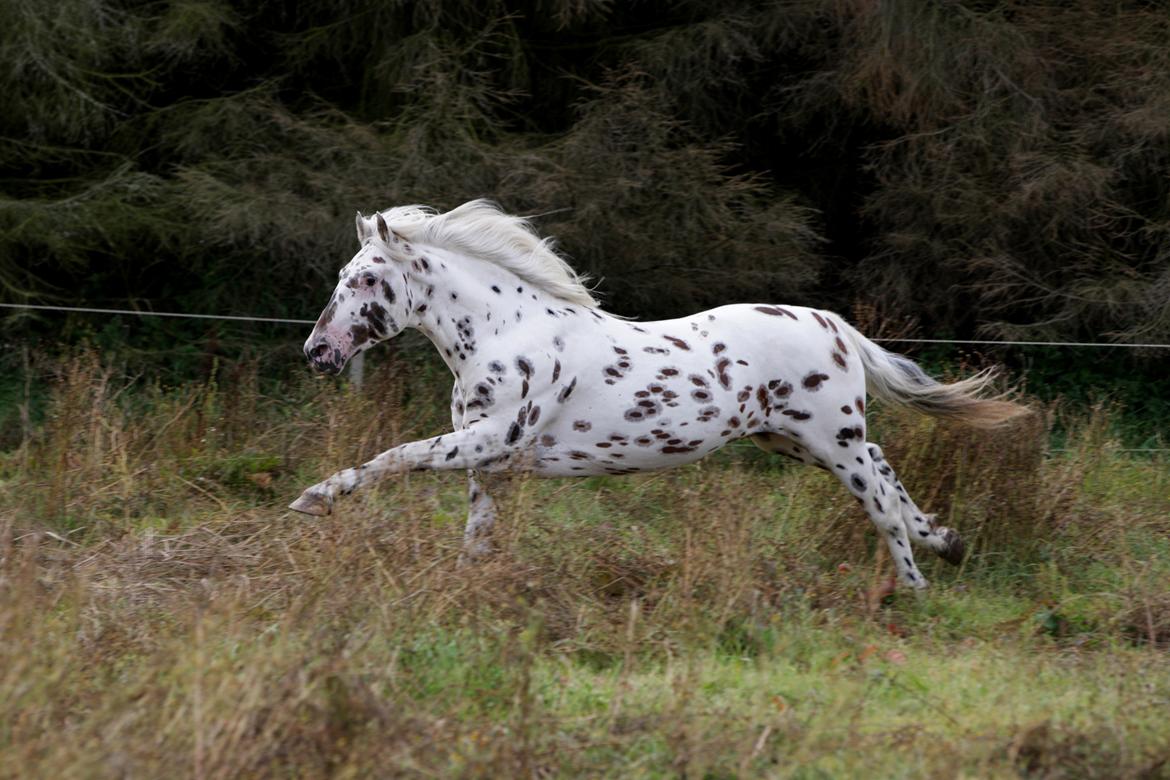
[[163, 615]]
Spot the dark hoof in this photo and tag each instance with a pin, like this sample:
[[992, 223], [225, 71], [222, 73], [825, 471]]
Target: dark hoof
[[953, 547], [312, 504]]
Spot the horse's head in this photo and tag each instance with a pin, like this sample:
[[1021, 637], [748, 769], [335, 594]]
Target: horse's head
[[368, 305]]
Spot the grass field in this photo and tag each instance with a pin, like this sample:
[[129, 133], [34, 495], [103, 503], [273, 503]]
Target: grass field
[[163, 615]]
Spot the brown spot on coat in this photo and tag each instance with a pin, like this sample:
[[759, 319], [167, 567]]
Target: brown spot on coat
[[813, 381], [780, 388], [776, 311], [724, 377], [360, 334]]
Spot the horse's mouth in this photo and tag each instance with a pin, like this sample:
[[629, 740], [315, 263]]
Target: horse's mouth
[[327, 370]]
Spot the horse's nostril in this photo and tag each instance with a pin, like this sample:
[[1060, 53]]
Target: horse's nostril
[[319, 350]]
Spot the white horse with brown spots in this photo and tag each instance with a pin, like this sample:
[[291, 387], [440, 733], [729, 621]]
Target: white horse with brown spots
[[548, 383]]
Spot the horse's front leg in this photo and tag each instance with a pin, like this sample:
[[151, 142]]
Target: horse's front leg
[[481, 515], [470, 448]]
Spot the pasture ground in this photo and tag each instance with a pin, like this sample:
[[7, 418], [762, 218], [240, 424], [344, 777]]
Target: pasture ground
[[163, 615]]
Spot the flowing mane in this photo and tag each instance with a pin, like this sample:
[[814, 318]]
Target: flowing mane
[[481, 229]]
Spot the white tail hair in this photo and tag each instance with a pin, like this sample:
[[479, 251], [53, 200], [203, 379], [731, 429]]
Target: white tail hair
[[899, 379]]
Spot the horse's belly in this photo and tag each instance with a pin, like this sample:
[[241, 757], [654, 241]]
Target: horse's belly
[[652, 447]]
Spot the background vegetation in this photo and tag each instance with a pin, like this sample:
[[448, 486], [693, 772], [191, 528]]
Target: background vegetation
[[978, 167]]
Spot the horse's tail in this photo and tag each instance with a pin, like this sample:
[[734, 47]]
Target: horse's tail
[[899, 379]]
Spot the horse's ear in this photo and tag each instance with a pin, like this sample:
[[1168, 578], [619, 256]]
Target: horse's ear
[[383, 229], [363, 230]]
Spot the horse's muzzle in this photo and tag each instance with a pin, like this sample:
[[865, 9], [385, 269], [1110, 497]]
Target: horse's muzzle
[[324, 357]]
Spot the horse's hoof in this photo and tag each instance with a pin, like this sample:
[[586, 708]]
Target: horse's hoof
[[914, 581], [311, 503], [953, 547], [474, 552]]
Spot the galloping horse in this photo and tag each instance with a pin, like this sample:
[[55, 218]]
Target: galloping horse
[[548, 383]]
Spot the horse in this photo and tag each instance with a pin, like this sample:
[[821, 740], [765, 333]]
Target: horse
[[549, 383]]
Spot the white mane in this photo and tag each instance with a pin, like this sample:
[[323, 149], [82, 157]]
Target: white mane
[[481, 229]]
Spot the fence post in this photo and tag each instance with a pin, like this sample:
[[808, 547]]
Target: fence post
[[357, 370]]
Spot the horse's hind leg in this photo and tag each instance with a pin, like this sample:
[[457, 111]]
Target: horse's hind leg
[[922, 528], [852, 463], [846, 455], [784, 445]]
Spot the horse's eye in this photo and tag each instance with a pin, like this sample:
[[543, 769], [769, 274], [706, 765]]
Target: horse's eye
[[370, 280]]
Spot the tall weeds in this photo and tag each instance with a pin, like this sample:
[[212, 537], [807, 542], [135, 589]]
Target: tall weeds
[[164, 615]]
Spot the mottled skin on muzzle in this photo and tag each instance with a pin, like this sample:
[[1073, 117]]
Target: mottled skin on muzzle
[[325, 357]]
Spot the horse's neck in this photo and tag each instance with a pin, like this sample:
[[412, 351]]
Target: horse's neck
[[463, 303]]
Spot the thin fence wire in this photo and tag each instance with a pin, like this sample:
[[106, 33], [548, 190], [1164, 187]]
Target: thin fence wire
[[1122, 449], [1028, 343], [356, 370], [141, 313], [287, 321]]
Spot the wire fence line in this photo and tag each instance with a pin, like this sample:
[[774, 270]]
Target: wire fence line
[[357, 364], [287, 321], [173, 314]]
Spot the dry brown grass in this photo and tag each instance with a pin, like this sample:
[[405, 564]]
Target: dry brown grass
[[163, 615]]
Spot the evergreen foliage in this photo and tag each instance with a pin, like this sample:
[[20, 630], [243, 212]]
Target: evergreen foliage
[[980, 167]]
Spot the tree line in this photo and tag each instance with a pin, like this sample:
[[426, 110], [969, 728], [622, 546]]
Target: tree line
[[994, 169]]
